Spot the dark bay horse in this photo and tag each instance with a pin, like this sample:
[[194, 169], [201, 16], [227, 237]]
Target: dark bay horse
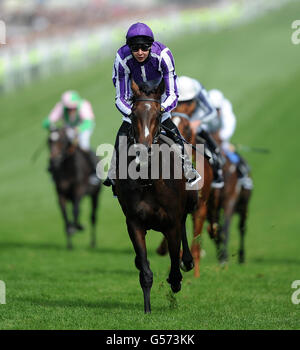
[[161, 204], [181, 118], [71, 173], [234, 199]]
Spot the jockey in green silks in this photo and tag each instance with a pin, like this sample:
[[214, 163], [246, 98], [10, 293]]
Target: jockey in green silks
[[76, 114]]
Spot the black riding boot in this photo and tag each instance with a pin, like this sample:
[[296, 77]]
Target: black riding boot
[[217, 159], [173, 133], [243, 170], [123, 131]]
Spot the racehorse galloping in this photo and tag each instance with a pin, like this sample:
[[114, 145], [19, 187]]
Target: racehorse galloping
[[159, 204], [71, 173], [234, 199], [180, 117]]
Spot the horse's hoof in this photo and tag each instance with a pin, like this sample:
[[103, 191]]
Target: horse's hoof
[[188, 266], [175, 288], [79, 227], [223, 263], [161, 251], [241, 260], [71, 229]]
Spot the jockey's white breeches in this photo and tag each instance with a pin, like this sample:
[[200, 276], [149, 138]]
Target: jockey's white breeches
[[84, 139]]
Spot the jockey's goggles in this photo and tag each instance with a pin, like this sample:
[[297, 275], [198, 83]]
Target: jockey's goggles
[[143, 47]]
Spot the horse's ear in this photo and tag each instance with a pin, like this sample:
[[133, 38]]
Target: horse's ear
[[134, 87]]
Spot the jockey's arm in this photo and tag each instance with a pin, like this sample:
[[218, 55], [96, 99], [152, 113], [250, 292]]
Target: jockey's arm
[[228, 122], [54, 117], [87, 117], [86, 125], [120, 76], [209, 113], [169, 76]]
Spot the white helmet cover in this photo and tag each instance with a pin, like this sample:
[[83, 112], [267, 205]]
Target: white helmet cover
[[216, 98], [188, 88]]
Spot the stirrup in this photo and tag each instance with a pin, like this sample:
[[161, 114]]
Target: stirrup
[[108, 182], [217, 184], [196, 179], [192, 183]]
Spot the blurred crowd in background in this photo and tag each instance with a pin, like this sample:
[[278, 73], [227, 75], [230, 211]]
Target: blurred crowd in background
[[46, 37], [34, 19]]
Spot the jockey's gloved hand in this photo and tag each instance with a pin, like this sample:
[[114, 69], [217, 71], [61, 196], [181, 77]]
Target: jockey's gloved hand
[[71, 133]]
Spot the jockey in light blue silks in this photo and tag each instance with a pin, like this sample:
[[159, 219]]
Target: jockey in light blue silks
[[204, 121], [227, 128], [144, 59]]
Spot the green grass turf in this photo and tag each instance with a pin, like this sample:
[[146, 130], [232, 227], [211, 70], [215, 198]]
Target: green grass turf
[[48, 287]]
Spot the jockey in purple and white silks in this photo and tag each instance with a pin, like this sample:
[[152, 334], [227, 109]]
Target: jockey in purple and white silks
[[143, 59]]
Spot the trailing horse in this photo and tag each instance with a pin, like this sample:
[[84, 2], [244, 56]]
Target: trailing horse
[[180, 117], [71, 172], [234, 199], [157, 203]]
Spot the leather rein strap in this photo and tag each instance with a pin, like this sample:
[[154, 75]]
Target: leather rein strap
[[147, 99]]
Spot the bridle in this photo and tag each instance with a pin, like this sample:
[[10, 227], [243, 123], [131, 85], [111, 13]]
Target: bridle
[[156, 136], [146, 99], [64, 152]]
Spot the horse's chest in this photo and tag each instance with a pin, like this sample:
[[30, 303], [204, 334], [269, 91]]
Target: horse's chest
[[150, 214]]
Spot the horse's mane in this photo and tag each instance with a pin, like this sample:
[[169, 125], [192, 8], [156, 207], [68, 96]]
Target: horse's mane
[[149, 87]]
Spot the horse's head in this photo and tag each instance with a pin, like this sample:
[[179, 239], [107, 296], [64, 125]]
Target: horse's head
[[59, 144], [181, 118], [146, 111]]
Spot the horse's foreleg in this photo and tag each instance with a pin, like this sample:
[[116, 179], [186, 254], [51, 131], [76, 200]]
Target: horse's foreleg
[[242, 227], [137, 236], [187, 262], [163, 248], [174, 239], [76, 203], [94, 219], [198, 222], [68, 225], [223, 235]]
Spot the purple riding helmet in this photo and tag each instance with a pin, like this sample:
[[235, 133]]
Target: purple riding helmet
[[139, 33]]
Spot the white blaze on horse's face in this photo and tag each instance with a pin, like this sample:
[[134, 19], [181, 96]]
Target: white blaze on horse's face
[[147, 132]]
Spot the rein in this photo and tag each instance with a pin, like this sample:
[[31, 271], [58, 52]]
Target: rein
[[181, 115], [147, 99]]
